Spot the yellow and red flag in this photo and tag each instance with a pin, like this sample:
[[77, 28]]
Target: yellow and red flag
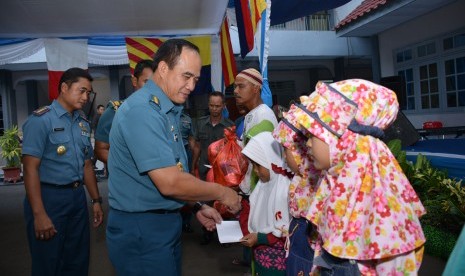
[[228, 63], [140, 48]]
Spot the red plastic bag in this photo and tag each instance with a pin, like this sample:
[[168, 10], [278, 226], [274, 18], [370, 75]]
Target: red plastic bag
[[228, 163]]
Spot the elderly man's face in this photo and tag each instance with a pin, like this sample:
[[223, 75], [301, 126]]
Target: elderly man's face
[[244, 91], [179, 82]]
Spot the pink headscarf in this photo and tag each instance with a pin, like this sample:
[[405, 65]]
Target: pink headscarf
[[365, 207], [304, 183]]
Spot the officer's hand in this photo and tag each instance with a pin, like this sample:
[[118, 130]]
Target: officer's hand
[[98, 214], [208, 217], [232, 200], [44, 228]]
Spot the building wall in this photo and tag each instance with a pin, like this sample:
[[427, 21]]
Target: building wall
[[436, 23], [430, 26]]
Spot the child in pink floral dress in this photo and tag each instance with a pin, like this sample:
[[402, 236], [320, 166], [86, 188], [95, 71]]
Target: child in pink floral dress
[[364, 209], [302, 240]]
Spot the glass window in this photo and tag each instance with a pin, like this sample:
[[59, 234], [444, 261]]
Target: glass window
[[450, 83], [460, 65], [410, 89], [461, 95], [459, 40], [450, 67], [448, 43], [451, 99]]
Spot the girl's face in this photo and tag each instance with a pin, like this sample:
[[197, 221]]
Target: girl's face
[[319, 151], [290, 160], [262, 172]]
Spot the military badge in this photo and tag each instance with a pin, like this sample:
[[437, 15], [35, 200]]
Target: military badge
[[61, 150]]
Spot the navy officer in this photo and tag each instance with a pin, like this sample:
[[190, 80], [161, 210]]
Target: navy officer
[[149, 180], [57, 162], [142, 73]]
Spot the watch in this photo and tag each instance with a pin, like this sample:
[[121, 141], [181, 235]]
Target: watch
[[197, 206], [96, 200]]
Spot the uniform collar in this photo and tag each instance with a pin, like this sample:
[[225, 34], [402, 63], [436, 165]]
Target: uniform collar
[[166, 105], [221, 122], [60, 111]]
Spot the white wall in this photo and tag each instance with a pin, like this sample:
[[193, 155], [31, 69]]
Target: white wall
[[429, 26]]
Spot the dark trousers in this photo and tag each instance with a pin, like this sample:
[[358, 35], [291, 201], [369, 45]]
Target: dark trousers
[[334, 266], [67, 253], [300, 259], [144, 243]]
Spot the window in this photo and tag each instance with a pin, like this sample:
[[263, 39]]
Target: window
[[426, 50], [434, 74], [429, 89], [452, 42], [455, 82], [404, 55], [407, 75]]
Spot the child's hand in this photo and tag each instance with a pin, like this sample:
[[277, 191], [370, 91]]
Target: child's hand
[[249, 240]]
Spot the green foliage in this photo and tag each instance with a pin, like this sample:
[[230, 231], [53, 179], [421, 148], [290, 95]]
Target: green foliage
[[443, 198], [10, 144]]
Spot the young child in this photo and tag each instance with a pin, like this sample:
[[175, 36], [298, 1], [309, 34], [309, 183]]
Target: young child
[[302, 238], [364, 209], [269, 213]]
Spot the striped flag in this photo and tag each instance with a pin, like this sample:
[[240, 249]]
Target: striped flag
[[228, 63], [248, 14], [62, 55], [140, 48]]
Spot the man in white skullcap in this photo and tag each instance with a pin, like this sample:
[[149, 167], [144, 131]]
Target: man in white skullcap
[[247, 91]]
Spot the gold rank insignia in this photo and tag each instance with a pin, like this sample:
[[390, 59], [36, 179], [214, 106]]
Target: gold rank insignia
[[82, 126], [41, 111], [180, 167], [116, 104], [156, 100], [61, 150]]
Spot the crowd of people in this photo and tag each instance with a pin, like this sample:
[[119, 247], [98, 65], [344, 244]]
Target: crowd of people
[[323, 195]]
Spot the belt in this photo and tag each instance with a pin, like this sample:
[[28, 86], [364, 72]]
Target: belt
[[72, 185], [162, 211]]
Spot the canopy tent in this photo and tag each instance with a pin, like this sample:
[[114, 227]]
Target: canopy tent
[[106, 23]]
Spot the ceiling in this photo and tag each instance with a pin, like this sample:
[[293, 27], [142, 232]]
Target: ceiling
[[62, 18], [390, 15]]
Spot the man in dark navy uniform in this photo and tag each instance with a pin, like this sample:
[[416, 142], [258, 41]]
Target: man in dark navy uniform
[[57, 162], [149, 179]]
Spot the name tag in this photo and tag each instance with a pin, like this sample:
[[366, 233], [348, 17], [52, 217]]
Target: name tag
[[85, 133], [59, 129]]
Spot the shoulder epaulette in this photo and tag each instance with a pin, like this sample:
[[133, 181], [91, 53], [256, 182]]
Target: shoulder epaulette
[[41, 111], [115, 104], [156, 101], [84, 118]]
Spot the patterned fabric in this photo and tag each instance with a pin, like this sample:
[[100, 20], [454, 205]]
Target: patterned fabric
[[364, 207], [271, 257], [303, 185]]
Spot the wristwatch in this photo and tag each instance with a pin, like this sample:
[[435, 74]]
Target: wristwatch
[[96, 200], [197, 206]]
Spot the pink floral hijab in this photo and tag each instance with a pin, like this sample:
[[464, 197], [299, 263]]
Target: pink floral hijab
[[365, 207], [303, 184]]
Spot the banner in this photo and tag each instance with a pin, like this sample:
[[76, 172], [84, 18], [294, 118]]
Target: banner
[[248, 14], [228, 62], [62, 55], [140, 48]]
